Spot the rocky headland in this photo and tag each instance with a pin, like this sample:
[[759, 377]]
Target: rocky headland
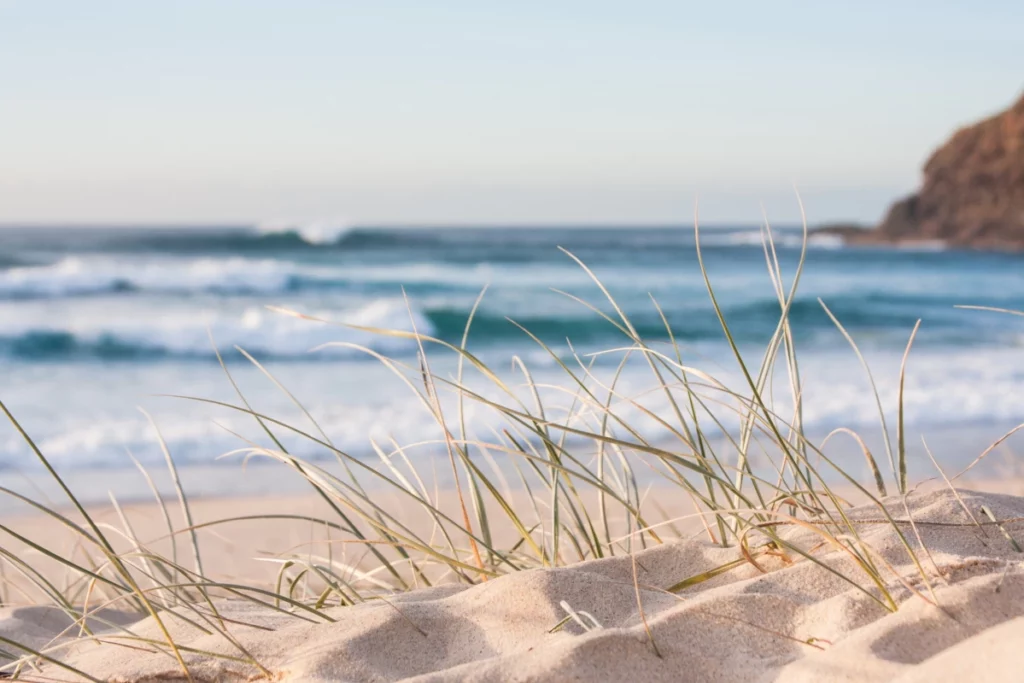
[[972, 194]]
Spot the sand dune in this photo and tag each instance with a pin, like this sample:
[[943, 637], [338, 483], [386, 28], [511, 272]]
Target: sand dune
[[796, 622]]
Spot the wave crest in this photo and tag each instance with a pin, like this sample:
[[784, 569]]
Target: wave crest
[[259, 331], [316, 233], [75, 276]]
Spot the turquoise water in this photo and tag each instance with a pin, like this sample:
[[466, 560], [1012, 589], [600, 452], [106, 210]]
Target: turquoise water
[[96, 321]]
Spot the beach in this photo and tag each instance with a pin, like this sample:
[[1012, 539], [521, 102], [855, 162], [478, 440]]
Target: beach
[[793, 622], [534, 342], [415, 487]]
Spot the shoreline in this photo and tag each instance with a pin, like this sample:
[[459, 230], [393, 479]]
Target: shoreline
[[954, 447], [870, 237]]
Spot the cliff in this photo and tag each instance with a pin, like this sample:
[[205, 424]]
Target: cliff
[[972, 194]]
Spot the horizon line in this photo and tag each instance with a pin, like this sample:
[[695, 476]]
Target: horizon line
[[284, 226]]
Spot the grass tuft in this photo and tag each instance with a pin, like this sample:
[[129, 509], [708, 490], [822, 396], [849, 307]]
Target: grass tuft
[[741, 456]]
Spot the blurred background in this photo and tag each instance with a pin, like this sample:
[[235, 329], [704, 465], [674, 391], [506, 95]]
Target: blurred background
[[168, 171]]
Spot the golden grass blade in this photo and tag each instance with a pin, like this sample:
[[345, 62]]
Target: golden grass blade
[[991, 309], [50, 660], [186, 511], [901, 438], [868, 457], [995, 444], [296, 464], [105, 546], [985, 510], [871, 381]]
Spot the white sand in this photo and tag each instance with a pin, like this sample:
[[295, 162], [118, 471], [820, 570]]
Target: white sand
[[741, 625]]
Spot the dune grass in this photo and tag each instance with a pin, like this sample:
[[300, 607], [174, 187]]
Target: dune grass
[[575, 462]]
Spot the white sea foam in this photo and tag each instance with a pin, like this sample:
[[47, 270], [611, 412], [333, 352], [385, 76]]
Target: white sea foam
[[825, 241], [82, 276], [357, 402], [313, 232], [756, 238], [957, 375], [75, 275], [184, 331]]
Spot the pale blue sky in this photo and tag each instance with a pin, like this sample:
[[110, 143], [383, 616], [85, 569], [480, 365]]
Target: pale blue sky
[[497, 112]]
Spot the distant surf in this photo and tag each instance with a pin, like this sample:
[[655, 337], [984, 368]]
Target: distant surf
[[312, 233], [94, 321]]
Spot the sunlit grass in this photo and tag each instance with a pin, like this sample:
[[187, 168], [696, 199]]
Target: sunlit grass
[[555, 484]]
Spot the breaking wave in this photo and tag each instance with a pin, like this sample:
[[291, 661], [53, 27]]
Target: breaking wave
[[316, 233], [192, 335], [77, 276]]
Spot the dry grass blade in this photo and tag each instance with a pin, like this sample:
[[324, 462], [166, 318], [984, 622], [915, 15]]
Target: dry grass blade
[[46, 658], [995, 444], [577, 435], [868, 457], [985, 510], [871, 381], [706, 575], [100, 540], [186, 511], [992, 309], [901, 437]]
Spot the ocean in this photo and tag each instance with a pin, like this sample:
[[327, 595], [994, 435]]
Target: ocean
[[97, 322]]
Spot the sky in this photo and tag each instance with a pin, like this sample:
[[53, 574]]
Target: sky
[[478, 112]]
